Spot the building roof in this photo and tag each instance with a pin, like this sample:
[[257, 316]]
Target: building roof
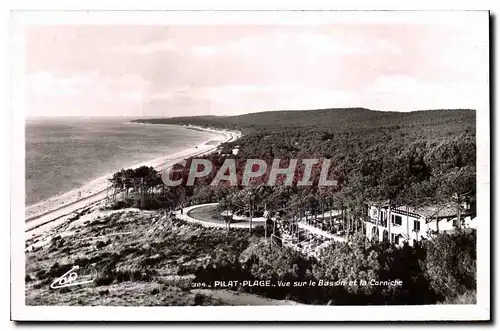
[[429, 211], [437, 210]]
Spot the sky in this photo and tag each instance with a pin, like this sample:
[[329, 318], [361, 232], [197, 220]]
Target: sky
[[178, 70]]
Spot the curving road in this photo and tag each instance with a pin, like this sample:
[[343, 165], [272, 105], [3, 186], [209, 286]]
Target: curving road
[[200, 214], [192, 215]]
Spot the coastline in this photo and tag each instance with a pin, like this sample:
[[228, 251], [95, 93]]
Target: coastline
[[94, 191]]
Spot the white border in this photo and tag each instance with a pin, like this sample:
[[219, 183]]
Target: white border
[[201, 17], [480, 311]]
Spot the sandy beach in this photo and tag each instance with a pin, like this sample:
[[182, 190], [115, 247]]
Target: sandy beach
[[46, 214]]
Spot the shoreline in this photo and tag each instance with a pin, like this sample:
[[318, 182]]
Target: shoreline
[[94, 179], [94, 190]]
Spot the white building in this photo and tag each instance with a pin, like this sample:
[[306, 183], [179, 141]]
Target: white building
[[402, 223]]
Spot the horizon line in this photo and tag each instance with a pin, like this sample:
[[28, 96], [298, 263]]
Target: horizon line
[[249, 113]]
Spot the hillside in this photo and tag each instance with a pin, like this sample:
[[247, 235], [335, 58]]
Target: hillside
[[134, 257], [340, 118], [411, 157]]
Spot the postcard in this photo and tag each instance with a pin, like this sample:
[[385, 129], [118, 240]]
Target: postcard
[[250, 166]]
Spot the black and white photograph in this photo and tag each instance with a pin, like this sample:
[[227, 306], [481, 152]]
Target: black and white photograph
[[324, 161]]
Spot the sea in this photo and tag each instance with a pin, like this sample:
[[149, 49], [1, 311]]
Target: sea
[[63, 154]]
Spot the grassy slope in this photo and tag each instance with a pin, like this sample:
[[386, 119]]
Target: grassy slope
[[137, 256]]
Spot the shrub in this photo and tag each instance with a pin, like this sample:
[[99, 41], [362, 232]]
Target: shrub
[[104, 278], [466, 298], [450, 265]]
